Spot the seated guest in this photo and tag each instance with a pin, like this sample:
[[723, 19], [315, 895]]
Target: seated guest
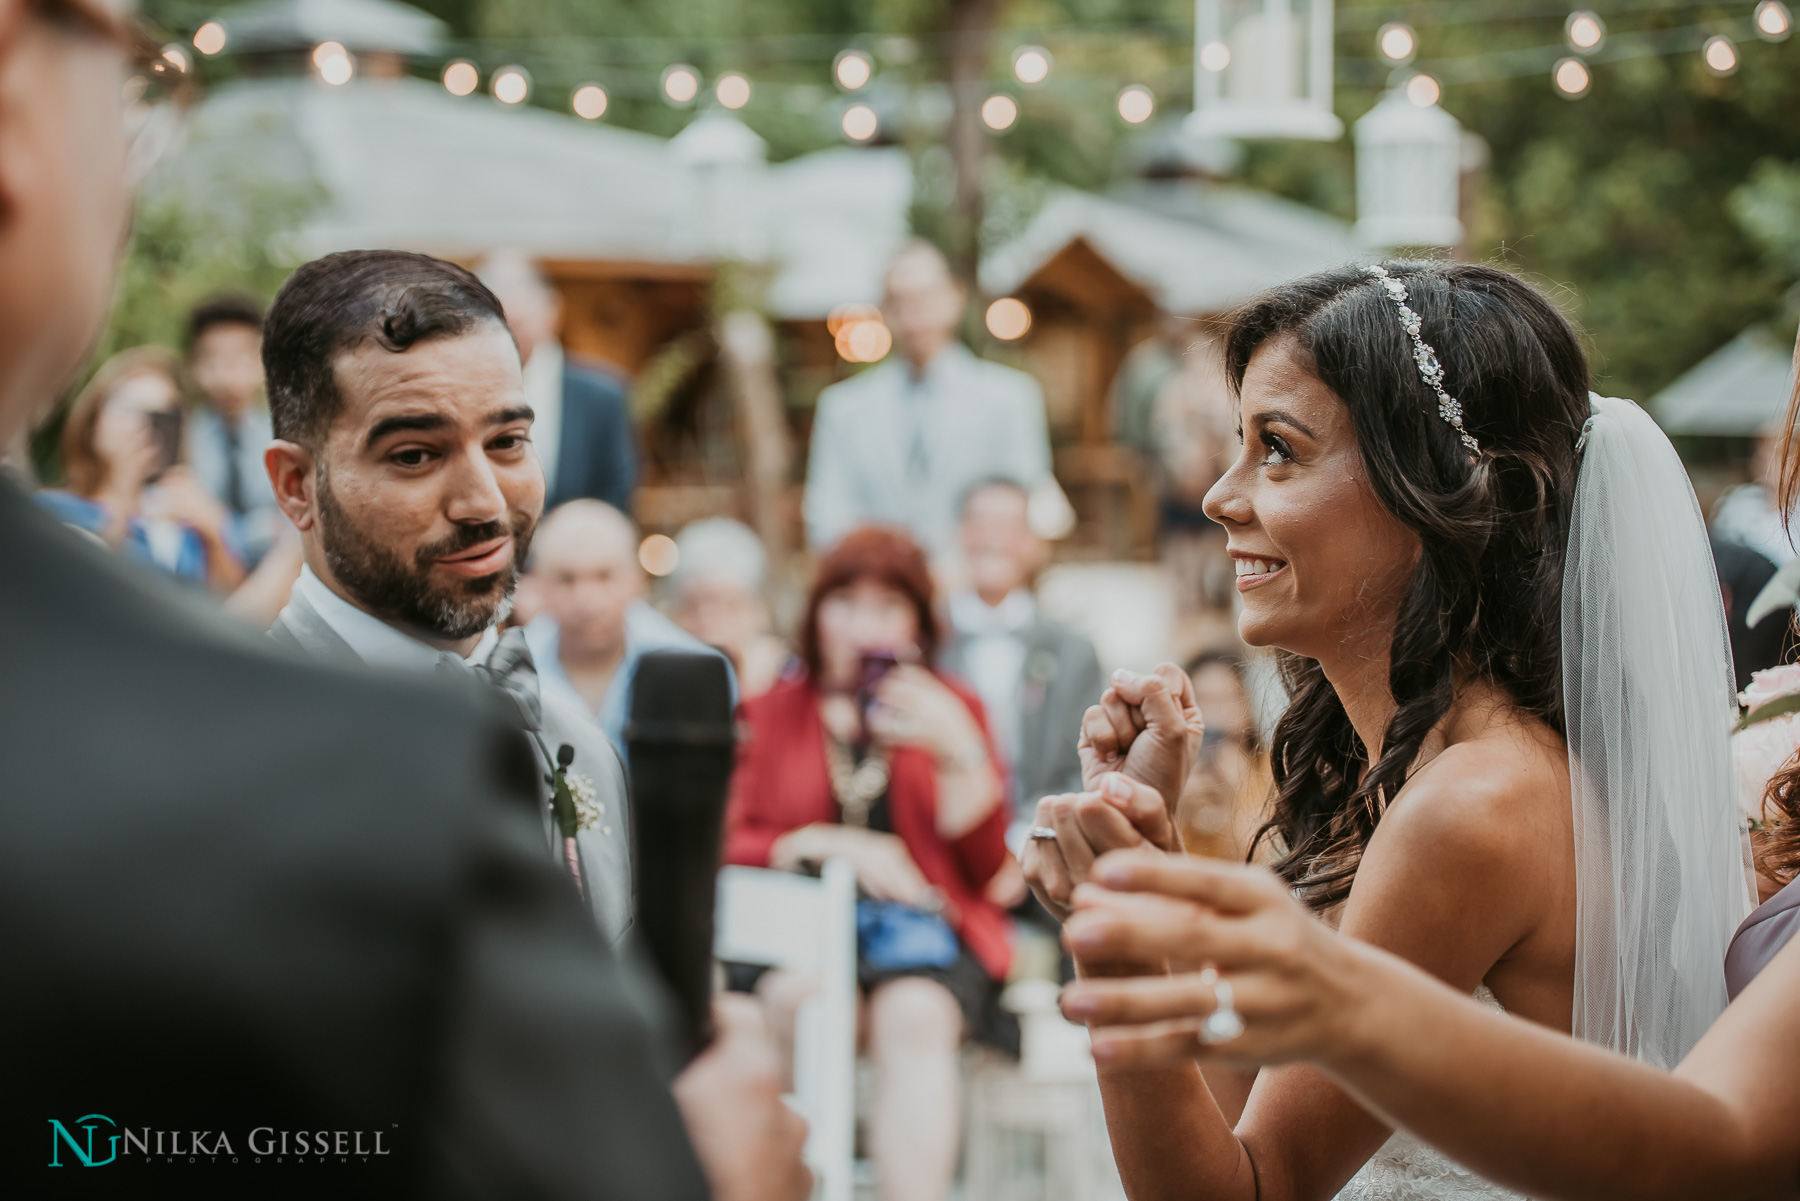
[[871, 757], [229, 429], [594, 624], [120, 448], [1227, 793], [583, 428], [1035, 677], [716, 593], [403, 457]]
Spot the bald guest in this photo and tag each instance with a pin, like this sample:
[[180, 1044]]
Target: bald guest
[[595, 625], [582, 430]]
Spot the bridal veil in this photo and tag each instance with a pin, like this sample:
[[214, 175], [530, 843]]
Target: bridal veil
[[1649, 699]]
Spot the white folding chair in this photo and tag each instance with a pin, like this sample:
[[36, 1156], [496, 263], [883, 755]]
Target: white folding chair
[[784, 920]]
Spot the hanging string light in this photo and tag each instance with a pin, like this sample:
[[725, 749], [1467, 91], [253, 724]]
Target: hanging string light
[[1031, 64], [209, 39], [853, 70], [680, 84], [859, 123], [461, 77], [1720, 55], [1423, 90], [732, 91], [1136, 104], [999, 111], [1773, 21], [1215, 57], [333, 63], [859, 333], [1397, 43], [510, 85], [1008, 319], [1572, 78], [1584, 31], [589, 102]]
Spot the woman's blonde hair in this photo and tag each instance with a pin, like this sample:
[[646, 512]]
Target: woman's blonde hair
[[83, 472]]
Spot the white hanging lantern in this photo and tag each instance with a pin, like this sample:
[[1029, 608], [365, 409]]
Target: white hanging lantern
[[1262, 69], [1408, 174]]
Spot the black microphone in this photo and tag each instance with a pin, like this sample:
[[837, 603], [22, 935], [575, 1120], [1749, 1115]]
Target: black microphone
[[680, 742]]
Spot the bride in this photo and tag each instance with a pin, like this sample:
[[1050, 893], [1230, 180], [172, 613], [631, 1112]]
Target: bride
[[1496, 768]]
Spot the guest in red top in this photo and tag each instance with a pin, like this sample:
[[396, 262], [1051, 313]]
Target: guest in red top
[[871, 757]]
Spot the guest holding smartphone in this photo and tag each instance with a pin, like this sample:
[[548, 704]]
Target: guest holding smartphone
[[872, 757], [124, 482]]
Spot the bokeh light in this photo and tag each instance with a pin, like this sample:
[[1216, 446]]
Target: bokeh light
[[461, 77], [1423, 91], [860, 123], [1773, 21], [1215, 56], [333, 62], [1396, 42], [732, 91], [1008, 319], [1584, 31], [659, 555], [853, 70], [589, 101], [680, 84], [209, 39], [859, 333], [511, 85], [1136, 104], [1720, 55], [1572, 78], [1031, 64], [999, 111], [176, 57]]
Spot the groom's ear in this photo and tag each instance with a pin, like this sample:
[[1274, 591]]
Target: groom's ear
[[293, 474]]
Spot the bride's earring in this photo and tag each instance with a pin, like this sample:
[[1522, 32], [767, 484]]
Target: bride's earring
[[1224, 1023]]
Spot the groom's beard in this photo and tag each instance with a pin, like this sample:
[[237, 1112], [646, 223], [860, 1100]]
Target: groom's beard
[[404, 594]]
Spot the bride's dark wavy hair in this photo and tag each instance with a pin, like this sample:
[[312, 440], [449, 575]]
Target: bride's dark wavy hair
[[1485, 601]]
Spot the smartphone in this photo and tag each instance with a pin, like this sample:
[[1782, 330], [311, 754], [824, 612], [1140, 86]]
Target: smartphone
[[165, 429], [875, 667]]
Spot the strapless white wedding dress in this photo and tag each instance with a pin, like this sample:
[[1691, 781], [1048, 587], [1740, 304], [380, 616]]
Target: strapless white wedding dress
[[1405, 1169]]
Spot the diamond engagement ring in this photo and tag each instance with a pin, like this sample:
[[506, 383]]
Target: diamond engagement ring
[[1224, 1023], [1042, 833]]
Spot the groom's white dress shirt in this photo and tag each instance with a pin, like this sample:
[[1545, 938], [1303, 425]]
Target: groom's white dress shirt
[[605, 846]]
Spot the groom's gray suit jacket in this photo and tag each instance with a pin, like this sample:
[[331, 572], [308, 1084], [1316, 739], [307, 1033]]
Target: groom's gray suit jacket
[[605, 847]]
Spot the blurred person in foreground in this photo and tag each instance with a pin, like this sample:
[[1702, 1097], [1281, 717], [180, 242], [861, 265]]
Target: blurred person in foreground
[[291, 898], [873, 758], [583, 425], [717, 594], [594, 624], [902, 442], [1035, 677], [1226, 797], [403, 456], [125, 483], [229, 429]]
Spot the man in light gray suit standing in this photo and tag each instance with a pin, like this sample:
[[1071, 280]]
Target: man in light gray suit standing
[[901, 443], [403, 455]]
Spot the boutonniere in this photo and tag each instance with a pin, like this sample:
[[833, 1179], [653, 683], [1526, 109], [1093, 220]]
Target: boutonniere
[[572, 801]]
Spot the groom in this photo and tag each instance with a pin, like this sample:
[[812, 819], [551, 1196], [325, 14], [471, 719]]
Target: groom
[[403, 455]]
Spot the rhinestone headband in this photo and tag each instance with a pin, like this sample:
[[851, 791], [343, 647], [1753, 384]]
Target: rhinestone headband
[[1430, 370]]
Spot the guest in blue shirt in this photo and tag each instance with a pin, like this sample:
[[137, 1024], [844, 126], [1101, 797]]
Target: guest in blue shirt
[[229, 429], [595, 624], [124, 481]]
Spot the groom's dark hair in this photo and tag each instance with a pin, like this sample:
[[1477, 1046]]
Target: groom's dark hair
[[393, 298]]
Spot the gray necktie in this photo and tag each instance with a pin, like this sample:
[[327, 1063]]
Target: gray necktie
[[510, 669]]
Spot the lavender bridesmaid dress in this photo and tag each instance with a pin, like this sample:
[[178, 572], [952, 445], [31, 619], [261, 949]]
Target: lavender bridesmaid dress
[[1761, 936]]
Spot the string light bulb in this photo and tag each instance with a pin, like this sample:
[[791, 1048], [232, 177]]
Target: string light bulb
[[589, 102], [1215, 56], [1136, 104], [1008, 319], [859, 123], [1031, 64], [659, 554], [176, 57], [999, 111], [1572, 78], [732, 91], [859, 333], [1720, 55], [510, 85], [461, 77], [209, 39], [1773, 21], [1423, 91], [333, 63], [1396, 42], [680, 84], [853, 70], [1584, 31]]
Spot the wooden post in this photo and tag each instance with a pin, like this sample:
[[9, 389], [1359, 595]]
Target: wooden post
[[747, 351]]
